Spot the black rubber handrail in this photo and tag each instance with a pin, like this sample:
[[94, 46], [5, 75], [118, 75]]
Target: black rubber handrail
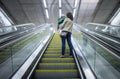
[[13, 38], [28, 76], [108, 40], [81, 73], [106, 44]]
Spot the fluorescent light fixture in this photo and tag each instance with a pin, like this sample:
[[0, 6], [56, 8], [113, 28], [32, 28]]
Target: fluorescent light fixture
[[47, 15], [60, 4], [76, 3], [74, 12], [116, 18], [60, 12], [4, 20], [45, 4]]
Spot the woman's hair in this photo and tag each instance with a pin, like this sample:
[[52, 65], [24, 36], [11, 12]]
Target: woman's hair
[[69, 15]]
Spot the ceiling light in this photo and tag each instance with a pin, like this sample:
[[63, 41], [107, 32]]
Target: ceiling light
[[47, 15], [45, 4], [74, 12], [60, 4], [75, 3], [60, 12]]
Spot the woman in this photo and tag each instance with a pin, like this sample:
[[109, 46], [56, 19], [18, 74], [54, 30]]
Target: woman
[[66, 28]]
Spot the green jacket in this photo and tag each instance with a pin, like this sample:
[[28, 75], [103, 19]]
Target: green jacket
[[60, 21]]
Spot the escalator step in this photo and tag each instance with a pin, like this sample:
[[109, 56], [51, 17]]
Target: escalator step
[[5, 53], [55, 74], [50, 60], [57, 66], [54, 47], [59, 46], [54, 55], [57, 50], [51, 66]]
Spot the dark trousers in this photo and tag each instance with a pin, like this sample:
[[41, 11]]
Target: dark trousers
[[68, 38]]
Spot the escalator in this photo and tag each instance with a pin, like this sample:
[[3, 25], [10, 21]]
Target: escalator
[[92, 60], [54, 67]]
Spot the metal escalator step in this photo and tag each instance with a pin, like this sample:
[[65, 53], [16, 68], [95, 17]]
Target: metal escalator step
[[50, 60], [56, 50], [5, 53], [65, 70], [52, 52], [55, 44], [54, 47], [58, 46], [51, 66], [57, 66], [54, 55], [55, 74]]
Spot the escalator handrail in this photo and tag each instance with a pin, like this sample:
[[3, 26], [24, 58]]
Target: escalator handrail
[[79, 67], [14, 26], [83, 67], [102, 24], [106, 26], [28, 77], [15, 38], [23, 69], [106, 34], [85, 31], [97, 39], [13, 41], [108, 39], [112, 38]]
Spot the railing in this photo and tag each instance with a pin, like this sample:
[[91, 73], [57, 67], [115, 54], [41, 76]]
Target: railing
[[15, 28], [106, 29], [14, 55], [107, 33], [10, 33], [104, 63]]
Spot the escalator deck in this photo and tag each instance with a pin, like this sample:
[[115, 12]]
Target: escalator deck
[[51, 66]]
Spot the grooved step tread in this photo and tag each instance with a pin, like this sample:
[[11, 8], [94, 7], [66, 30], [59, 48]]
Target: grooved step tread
[[55, 64], [56, 50], [54, 47], [57, 59], [54, 55], [70, 70], [52, 52]]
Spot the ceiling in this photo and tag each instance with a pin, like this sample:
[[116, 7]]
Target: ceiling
[[27, 11]]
